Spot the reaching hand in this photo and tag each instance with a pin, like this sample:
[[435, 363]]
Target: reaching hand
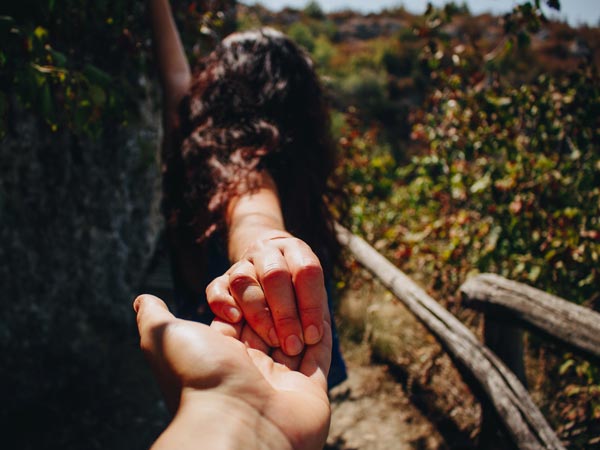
[[279, 287], [210, 367]]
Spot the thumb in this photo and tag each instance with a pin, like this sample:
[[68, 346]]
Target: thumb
[[151, 312]]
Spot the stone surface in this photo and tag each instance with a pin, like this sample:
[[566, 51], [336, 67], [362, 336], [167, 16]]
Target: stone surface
[[78, 223]]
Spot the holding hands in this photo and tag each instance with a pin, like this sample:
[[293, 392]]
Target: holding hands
[[277, 286], [228, 395]]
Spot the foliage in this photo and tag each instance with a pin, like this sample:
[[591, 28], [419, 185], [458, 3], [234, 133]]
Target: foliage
[[516, 168], [367, 88], [314, 10], [81, 65], [504, 179], [58, 68], [302, 35]]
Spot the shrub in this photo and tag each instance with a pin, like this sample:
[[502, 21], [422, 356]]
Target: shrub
[[302, 35]]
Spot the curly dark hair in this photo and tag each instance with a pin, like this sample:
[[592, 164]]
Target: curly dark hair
[[255, 104]]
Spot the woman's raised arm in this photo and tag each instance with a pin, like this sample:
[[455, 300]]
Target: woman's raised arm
[[173, 67]]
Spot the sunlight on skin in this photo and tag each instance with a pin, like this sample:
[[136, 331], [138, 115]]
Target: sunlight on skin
[[229, 395]]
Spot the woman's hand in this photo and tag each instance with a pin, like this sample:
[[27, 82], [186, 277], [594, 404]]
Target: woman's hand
[[228, 394], [278, 287]]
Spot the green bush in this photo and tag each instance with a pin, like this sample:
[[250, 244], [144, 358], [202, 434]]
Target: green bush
[[314, 10], [302, 35], [322, 52], [80, 65], [504, 179]]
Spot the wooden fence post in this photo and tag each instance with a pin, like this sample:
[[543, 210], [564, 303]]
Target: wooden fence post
[[507, 307], [505, 339]]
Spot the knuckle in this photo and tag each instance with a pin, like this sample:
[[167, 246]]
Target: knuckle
[[286, 321], [310, 270], [311, 311], [275, 273], [297, 242], [240, 281], [256, 247], [213, 292], [210, 287]]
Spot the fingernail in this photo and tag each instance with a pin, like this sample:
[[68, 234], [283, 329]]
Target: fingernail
[[293, 345], [273, 338], [232, 313], [312, 335]]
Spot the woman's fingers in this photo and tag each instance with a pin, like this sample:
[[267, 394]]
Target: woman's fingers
[[248, 294], [253, 340], [317, 358], [309, 287], [276, 281], [221, 301], [291, 362], [279, 289]]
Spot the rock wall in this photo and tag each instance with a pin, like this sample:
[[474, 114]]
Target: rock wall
[[79, 219]]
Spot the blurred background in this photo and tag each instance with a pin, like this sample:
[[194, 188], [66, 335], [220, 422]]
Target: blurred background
[[469, 142]]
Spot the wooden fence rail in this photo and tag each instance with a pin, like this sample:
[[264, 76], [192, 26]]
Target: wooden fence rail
[[560, 319], [524, 422]]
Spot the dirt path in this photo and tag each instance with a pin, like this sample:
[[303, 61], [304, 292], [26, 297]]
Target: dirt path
[[371, 411], [419, 402]]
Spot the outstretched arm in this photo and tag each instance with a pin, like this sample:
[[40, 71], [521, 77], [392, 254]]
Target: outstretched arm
[[276, 279], [226, 395], [173, 67]]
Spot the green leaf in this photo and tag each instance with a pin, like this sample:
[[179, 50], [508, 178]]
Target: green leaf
[[564, 367], [481, 185], [587, 281], [534, 273], [97, 95], [571, 213], [59, 58], [96, 75], [40, 33], [492, 239], [498, 101]]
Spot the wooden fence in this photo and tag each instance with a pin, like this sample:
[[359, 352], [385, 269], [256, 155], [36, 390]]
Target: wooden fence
[[507, 306]]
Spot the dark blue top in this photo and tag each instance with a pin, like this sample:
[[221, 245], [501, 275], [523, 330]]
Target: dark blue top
[[193, 306]]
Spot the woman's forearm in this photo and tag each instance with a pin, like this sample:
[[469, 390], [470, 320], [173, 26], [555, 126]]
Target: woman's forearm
[[173, 67], [254, 216]]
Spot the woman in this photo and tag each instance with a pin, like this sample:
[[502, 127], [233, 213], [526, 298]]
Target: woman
[[247, 155]]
